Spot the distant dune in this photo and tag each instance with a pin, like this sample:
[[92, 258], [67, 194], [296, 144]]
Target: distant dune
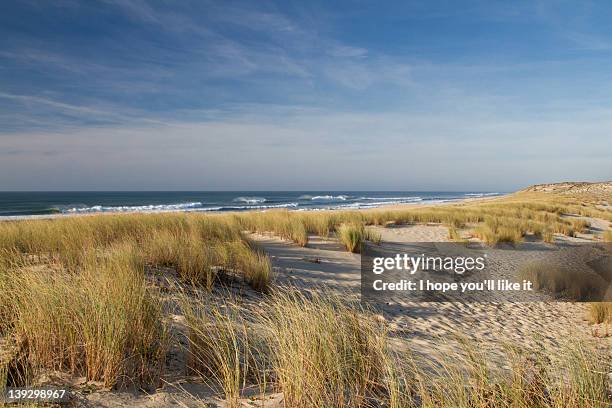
[[578, 187]]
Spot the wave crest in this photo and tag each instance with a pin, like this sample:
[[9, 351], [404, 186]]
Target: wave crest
[[133, 208], [480, 194], [248, 207], [249, 200], [329, 198]]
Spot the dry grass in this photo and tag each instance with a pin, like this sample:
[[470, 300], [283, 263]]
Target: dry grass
[[195, 245], [281, 222], [548, 236], [600, 312], [353, 235], [321, 350], [607, 236], [498, 234], [505, 219], [74, 290], [453, 234], [224, 349], [102, 323], [466, 381], [325, 352], [575, 283], [318, 349]]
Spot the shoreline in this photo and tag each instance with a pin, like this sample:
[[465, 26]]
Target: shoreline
[[390, 207]]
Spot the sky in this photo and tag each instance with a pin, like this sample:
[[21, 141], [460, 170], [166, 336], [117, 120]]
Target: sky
[[316, 95]]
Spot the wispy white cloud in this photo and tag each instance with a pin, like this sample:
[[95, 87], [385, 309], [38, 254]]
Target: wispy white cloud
[[110, 115], [227, 96], [410, 151]]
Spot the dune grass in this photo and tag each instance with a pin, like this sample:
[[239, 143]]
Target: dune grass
[[195, 245], [74, 290], [282, 223], [318, 349], [321, 350], [453, 234], [325, 351], [102, 323], [507, 219], [600, 312], [353, 235], [581, 284], [224, 350], [548, 236], [466, 380], [504, 220]]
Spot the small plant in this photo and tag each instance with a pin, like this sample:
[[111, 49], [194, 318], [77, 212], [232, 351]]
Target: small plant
[[327, 352], [102, 323], [297, 232], [574, 283], [223, 350], [372, 236], [353, 235], [453, 234], [600, 312], [548, 236], [532, 382], [580, 226]]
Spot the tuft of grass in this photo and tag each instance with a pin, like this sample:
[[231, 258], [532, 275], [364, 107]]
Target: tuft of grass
[[579, 380], [580, 226], [319, 224], [453, 234], [548, 236], [297, 232], [372, 236], [495, 235], [280, 222], [509, 234], [102, 323], [223, 349], [253, 264], [600, 312], [607, 236], [574, 283], [352, 235], [325, 351]]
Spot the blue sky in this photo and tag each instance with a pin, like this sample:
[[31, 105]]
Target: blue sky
[[196, 95]]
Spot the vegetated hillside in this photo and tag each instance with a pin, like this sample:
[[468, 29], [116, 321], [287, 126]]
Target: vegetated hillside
[[601, 189]]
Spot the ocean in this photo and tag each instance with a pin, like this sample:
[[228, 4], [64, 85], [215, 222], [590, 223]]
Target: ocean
[[84, 202]]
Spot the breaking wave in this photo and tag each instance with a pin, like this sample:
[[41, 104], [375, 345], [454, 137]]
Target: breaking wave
[[249, 200], [247, 207], [480, 194], [133, 208], [393, 199], [329, 198], [197, 206]]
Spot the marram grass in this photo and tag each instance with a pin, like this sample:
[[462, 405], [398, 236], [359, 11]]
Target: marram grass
[[353, 235], [102, 323]]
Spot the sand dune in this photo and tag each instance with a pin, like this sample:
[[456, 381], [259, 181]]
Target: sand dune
[[430, 328]]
